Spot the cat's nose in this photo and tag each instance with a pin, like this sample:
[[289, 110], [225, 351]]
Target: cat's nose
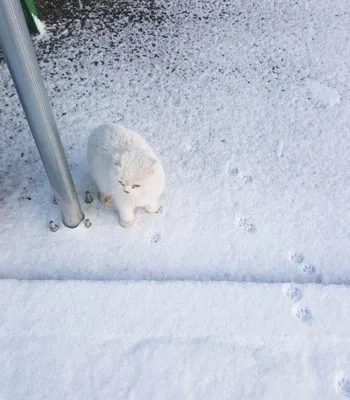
[[127, 189]]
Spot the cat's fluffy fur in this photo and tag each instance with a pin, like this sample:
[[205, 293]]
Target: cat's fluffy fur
[[125, 169]]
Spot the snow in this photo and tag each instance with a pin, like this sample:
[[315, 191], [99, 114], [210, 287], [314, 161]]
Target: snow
[[217, 112], [185, 340], [247, 105]]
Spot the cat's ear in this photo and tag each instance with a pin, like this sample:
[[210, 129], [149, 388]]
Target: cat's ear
[[149, 165]]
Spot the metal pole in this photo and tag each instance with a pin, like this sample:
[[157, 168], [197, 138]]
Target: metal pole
[[19, 53]]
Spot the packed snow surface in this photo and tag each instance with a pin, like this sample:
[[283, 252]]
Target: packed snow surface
[[174, 341], [247, 105]]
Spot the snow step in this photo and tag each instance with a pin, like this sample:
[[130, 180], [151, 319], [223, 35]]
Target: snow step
[[154, 340]]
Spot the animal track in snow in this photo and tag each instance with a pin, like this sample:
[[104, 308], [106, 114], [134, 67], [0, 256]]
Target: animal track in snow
[[293, 292], [296, 258], [342, 385], [307, 271], [310, 272], [245, 224], [233, 171], [303, 313], [153, 237], [247, 178]]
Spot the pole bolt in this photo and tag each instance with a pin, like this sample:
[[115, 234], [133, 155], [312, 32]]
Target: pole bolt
[[87, 223], [53, 226], [88, 198]]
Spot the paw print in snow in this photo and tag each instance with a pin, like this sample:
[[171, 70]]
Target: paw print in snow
[[233, 171], [241, 221], [303, 313], [342, 386], [250, 228], [296, 258], [310, 272], [246, 225], [153, 237], [309, 269], [247, 178], [293, 292]]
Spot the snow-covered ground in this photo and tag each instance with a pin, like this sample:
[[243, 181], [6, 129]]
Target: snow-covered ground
[[174, 341], [247, 104]]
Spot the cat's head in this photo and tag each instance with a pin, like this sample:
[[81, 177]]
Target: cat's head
[[134, 171]]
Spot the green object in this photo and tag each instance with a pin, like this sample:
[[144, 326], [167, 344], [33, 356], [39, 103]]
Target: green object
[[29, 10]]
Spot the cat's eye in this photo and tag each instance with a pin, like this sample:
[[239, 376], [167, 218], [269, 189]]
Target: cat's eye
[[135, 186], [121, 183]]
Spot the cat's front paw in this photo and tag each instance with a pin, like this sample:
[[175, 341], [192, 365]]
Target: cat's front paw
[[125, 224], [153, 209], [105, 199]]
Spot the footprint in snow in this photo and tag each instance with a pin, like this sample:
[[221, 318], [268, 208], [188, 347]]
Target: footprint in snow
[[307, 271], [342, 385], [302, 312], [247, 178], [293, 292], [153, 237], [232, 170], [245, 224], [296, 258], [310, 272]]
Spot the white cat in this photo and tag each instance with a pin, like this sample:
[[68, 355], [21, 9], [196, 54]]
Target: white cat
[[125, 170]]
